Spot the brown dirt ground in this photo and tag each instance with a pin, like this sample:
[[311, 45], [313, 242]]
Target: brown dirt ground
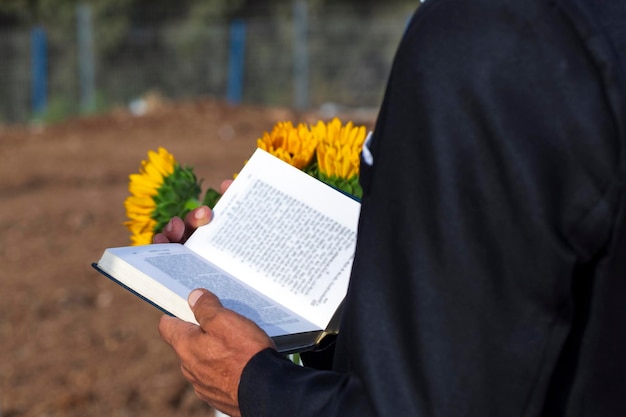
[[72, 343]]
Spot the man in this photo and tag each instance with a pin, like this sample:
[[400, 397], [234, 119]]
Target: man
[[490, 271]]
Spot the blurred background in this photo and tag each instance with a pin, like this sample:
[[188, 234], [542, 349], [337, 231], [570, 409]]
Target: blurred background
[[86, 89], [62, 58]]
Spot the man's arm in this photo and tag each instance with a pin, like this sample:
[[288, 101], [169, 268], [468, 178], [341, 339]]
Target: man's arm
[[484, 213]]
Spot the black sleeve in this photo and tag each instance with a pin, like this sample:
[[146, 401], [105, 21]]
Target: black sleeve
[[322, 357], [272, 385]]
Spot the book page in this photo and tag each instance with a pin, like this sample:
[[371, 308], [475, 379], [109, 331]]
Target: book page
[[176, 271], [285, 234]]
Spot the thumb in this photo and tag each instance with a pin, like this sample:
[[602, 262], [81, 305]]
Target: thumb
[[204, 304]]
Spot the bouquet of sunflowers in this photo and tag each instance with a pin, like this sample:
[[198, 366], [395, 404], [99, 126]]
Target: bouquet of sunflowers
[[163, 188]]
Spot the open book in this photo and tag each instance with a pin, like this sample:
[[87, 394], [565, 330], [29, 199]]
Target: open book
[[278, 250]]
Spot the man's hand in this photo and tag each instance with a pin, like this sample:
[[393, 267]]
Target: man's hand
[[178, 231], [214, 354]]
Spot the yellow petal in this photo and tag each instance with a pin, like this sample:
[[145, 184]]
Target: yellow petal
[[141, 239], [162, 161]]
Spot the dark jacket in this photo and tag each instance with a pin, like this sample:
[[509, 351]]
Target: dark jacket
[[490, 272]]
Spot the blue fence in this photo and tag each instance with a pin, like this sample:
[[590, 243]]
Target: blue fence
[[303, 61], [236, 63], [39, 60]]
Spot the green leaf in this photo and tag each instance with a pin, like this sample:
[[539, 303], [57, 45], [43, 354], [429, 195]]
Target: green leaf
[[211, 197], [350, 186], [177, 196]]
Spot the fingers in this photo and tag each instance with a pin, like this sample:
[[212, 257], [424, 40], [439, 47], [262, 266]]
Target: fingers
[[160, 238], [205, 305], [174, 231], [178, 231], [172, 329], [194, 219], [224, 185], [209, 297], [220, 322]]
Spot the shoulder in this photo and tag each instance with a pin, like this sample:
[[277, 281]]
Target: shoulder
[[469, 31]]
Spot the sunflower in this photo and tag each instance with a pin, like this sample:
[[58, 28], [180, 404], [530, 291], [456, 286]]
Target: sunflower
[[161, 190], [294, 145], [338, 151]]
